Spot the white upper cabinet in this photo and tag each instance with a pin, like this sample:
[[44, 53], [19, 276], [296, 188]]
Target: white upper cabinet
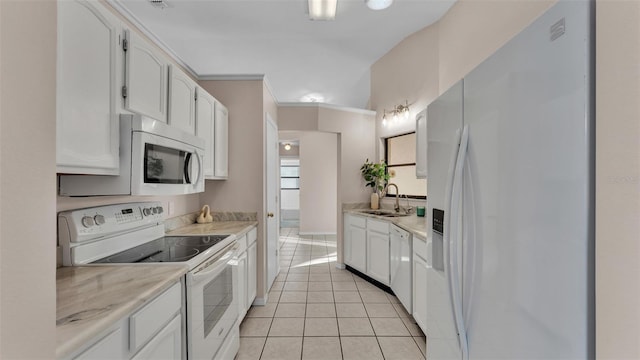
[[421, 145], [182, 101], [205, 120], [88, 65], [145, 89], [221, 170]]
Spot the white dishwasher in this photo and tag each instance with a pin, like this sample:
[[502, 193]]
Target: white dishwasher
[[400, 263]]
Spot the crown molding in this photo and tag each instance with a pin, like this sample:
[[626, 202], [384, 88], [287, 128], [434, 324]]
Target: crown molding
[[246, 77], [120, 8], [328, 106]]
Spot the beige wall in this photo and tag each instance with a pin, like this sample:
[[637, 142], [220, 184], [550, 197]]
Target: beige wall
[[243, 190], [409, 72], [318, 182], [472, 30], [618, 180], [27, 181]]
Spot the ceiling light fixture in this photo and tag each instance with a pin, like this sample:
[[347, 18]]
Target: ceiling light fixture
[[159, 4], [378, 4], [322, 9], [287, 147], [399, 112]]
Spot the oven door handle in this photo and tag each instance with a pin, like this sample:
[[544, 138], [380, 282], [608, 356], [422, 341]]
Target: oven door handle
[[216, 267]]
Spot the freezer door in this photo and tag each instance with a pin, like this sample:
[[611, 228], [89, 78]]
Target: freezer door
[[528, 285], [444, 120]]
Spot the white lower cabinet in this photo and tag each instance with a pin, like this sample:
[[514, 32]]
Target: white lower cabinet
[[252, 273], [419, 284], [378, 254], [366, 246], [166, 345], [152, 332], [110, 347], [247, 271], [355, 242]]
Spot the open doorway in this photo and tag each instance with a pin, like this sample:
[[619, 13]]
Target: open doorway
[[289, 184]]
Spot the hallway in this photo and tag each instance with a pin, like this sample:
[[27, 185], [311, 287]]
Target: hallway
[[316, 311]]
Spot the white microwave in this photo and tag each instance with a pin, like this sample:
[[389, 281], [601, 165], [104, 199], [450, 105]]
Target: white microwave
[[155, 159]]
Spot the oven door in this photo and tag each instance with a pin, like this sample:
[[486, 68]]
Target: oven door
[[163, 166], [212, 304]]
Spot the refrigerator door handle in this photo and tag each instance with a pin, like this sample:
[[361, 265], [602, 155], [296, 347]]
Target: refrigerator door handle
[[455, 232]]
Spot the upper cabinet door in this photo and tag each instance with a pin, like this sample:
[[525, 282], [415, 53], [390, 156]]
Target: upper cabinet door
[[87, 125], [421, 145], [221, 131], [146, 78], [205, 120], [182, 100]]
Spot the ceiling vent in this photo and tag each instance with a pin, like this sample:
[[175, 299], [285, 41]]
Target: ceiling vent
[[159, 4]]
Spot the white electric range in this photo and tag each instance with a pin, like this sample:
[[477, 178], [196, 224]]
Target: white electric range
[[133, 233]]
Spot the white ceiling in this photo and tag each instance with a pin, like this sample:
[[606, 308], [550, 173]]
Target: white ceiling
[[328, 60]]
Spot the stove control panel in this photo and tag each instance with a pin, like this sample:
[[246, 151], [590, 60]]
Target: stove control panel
[[98, 222]]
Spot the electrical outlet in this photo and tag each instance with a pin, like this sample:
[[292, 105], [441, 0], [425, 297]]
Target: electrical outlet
[[170, 208]]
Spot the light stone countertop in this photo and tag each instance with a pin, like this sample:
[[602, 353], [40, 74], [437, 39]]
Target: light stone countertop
[[90, 299], [413, 223], [238, 228]]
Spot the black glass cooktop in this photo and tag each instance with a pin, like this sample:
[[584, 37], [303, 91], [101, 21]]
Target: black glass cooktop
[[165, 249]]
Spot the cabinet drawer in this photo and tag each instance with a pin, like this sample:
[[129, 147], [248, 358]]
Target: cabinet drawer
[[379, 226], [145, 323], [252, 236], [242, 243], [109, 347], [420, 247], [359, 221]]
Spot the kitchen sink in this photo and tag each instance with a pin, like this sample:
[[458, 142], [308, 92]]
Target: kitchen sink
[[385, 213]]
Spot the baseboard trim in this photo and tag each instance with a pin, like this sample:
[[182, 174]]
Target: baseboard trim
[[261, 301], [341, 266]]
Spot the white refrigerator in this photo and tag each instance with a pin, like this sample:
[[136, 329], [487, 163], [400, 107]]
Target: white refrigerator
[[510, 203]]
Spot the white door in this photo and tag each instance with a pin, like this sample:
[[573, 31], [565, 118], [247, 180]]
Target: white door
[[205, 120], [221, 132], [146, 78], [421, 144], [89, 63], [378, 256], [271, 152], [182, 101]]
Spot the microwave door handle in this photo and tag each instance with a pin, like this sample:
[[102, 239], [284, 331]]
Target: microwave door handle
[[187, 161], [200, 173]]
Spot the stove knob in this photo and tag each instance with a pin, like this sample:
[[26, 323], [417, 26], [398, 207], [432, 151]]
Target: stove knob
[[99, 219], [160, 209], [154, 210], [147, 211], [87, 221]]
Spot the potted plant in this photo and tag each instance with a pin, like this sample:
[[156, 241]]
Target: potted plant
[[376, 176]]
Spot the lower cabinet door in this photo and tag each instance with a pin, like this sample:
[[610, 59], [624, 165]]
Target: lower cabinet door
[[109, 347], [357, 248], [242, 285], [420, 292], [167, 344], [378, 256], [252, 274]]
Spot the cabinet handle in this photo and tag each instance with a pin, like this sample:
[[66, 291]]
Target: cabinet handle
[[269, 214]]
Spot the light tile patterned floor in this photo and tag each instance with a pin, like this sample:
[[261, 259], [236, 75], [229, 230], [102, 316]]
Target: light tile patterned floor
[[316, 311]]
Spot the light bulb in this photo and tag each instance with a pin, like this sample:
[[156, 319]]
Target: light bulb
[[287, 147], [384, 121], [406, 113], [395, 118]]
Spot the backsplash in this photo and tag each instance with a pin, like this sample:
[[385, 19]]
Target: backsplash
[[188, 219]]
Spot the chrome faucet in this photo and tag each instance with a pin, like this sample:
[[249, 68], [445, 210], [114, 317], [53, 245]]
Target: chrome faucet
[[396, 207]]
